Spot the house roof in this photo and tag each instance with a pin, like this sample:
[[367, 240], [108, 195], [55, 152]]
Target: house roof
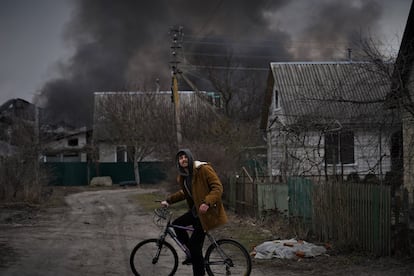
[[191, 103], [194, 100], [324, 92], [18, 108], [50, 135], [9, 104], [185, 96]]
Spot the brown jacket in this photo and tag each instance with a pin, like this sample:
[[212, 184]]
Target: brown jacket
[[206, 188]]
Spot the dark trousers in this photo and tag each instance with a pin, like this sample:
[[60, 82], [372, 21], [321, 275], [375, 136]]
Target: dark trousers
[[194, 243]]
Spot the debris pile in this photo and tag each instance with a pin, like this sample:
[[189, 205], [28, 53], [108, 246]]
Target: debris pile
[[287, 249]]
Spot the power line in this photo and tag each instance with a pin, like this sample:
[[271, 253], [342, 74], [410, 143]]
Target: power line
[[270, 43], [223, 55], [191, 66], [210, 16]]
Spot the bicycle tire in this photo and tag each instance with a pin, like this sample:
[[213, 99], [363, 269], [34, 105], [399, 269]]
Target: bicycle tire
[[237, 262], [142, 258]]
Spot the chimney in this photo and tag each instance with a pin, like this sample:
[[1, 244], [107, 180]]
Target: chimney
[[157, 85], [349, 54]]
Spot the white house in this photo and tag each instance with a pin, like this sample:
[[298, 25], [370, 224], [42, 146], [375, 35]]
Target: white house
[[66, 145], [112, 149], [326, 119]]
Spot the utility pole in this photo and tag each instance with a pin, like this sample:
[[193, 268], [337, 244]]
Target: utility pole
[[37, 146], [176, 33]]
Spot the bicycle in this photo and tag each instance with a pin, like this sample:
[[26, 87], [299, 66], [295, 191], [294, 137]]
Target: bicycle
[[157, 256]]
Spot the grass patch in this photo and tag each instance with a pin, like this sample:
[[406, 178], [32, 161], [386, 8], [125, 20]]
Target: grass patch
[[245, 231], [150, 201]]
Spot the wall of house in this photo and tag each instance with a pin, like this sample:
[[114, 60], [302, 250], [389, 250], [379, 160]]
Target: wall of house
[[62, 150], [107, 152], [408, 141], [64, 142], [372, 152], [275, 151], [305, 152], [408, 146], [275, 141], [66, 157]]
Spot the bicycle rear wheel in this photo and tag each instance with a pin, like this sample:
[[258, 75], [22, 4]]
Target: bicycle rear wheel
[[153, 257], [228, 258]]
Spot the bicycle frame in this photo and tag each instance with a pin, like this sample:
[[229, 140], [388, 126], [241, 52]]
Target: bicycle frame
[[220, 254], [168, 231]]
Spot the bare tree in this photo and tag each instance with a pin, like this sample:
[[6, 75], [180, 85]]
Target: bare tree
[[141, 121], [219, 139], [241, 88], [236, 128], [400, 98], [20, 171]]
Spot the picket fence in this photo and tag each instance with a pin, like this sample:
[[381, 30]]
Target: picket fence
[[352, 215]]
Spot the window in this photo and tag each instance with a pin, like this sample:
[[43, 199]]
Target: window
[[276, 100], [130, 154], [215, 99], [121, 154], [339, 148], [73, 142]]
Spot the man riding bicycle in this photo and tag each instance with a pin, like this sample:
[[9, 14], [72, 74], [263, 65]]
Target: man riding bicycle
[[202, 189]]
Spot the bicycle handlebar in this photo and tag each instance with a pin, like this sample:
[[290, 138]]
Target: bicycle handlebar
[[162, 212], [162, 216]]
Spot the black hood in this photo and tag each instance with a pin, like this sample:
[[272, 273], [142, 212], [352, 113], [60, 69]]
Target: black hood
[[190, 162]]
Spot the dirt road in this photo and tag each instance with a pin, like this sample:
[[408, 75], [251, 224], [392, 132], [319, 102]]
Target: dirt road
[[92, 237], [95, 234]]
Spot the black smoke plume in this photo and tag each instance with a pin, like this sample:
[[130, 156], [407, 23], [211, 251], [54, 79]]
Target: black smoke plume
[[125, 45]]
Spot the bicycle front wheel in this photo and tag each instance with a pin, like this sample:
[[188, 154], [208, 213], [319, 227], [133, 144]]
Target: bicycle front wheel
[[228, 258], [153, 257]]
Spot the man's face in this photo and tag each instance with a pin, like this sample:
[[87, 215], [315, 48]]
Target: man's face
[[183, 160]]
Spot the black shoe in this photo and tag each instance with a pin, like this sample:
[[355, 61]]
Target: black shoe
[[187, 261]]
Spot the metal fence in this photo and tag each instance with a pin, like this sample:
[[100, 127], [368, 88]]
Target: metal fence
[[80, 173], [349, 214]]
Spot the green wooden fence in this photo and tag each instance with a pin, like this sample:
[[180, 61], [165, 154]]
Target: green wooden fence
[[349, 214], [300, 198], [353, 214]]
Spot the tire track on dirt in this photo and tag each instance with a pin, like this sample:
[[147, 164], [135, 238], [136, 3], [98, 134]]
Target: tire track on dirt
[[37, 249], [89, 238]]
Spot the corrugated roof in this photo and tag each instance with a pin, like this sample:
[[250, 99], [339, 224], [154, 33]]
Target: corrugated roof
[[345, 91], [191, 104]]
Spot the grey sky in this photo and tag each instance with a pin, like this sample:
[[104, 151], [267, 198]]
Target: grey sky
[[32, 32], [31, 43]]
